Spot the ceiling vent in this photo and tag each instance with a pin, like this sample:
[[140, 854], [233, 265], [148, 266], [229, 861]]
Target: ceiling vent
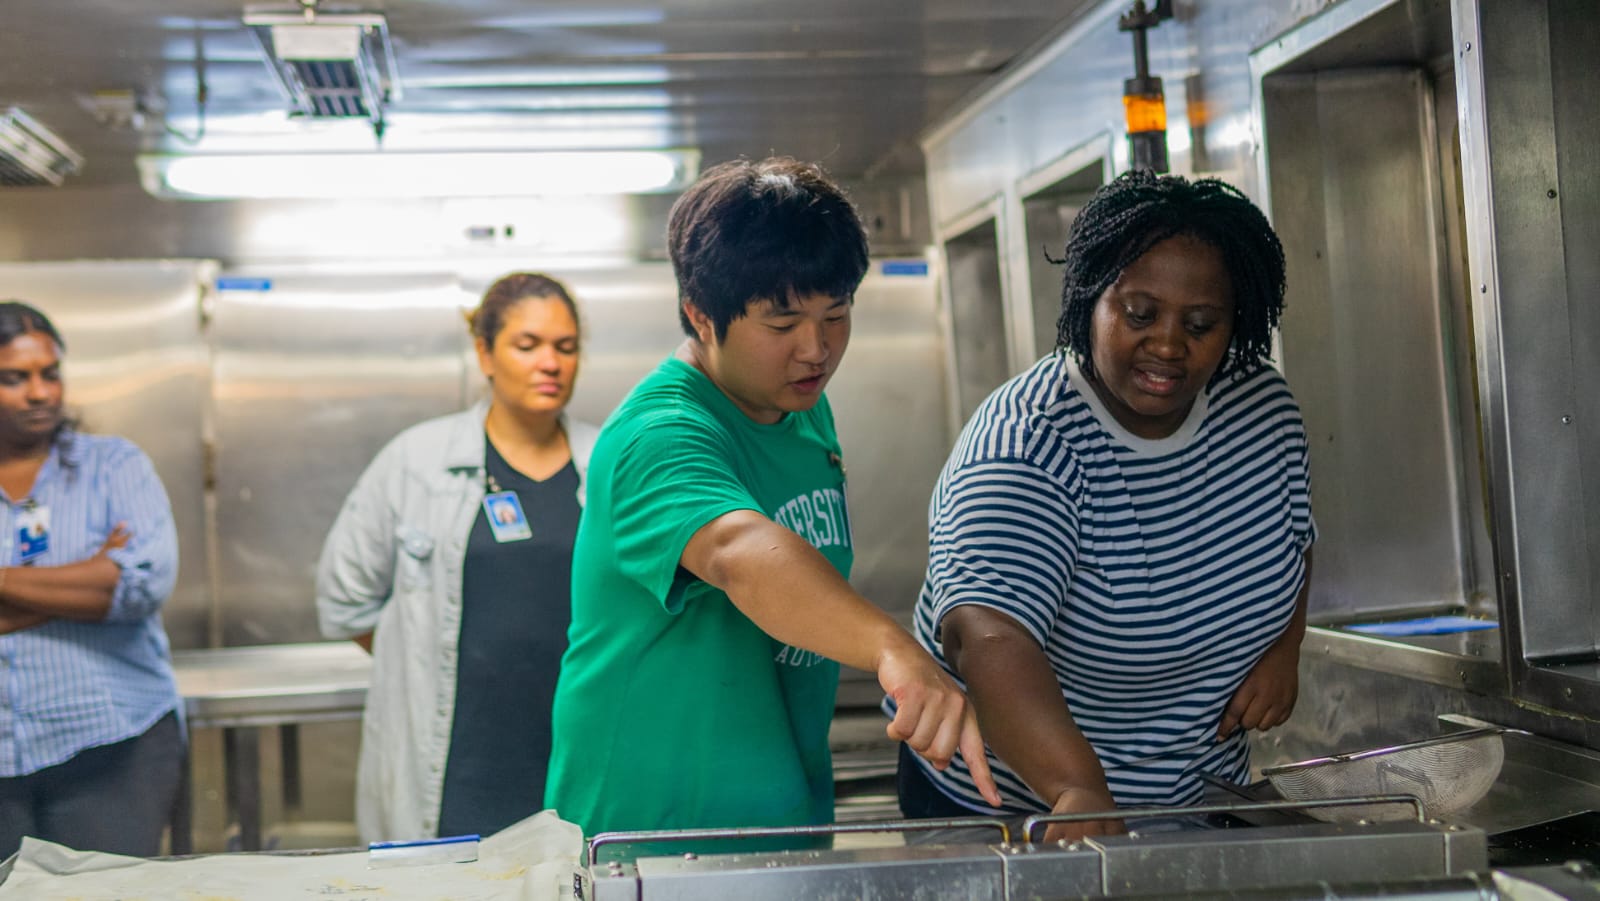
[[30, 154], [330, 65]]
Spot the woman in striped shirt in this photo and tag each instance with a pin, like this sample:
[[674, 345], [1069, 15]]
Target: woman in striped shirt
[[1120, 540]]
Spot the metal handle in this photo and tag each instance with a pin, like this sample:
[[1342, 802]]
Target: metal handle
[[1044, 819], [1452, 738], [696, 835]]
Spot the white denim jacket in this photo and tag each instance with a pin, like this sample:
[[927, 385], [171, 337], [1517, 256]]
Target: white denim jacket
[[393, 563]]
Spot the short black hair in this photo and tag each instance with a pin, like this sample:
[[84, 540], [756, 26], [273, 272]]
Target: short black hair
[[773, 230], [1138, 210]]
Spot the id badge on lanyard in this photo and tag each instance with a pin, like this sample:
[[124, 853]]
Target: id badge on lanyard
[[33, 531], [506, 519]]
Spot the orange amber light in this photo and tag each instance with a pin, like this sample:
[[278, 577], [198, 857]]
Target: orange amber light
[[1145, 112]]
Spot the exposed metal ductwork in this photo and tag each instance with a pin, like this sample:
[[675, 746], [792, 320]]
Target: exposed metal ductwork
[[30, 154], [330, 65]]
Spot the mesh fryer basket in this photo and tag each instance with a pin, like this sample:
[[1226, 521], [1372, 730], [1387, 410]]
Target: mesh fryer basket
[[1448, 774]]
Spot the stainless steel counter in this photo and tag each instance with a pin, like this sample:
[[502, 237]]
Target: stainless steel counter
[[271, 685], [1542, 781], [241, 691], [1469, 660]]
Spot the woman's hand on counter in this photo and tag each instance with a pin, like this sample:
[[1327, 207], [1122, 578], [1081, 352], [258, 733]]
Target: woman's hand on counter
[[932, 715], [1018, 699], [1083, 800]]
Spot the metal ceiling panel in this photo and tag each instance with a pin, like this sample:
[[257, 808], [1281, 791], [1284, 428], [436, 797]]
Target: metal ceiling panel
[[845, 83]]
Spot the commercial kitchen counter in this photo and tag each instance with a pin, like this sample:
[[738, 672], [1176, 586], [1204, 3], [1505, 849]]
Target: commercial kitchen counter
[[259, 686], [241, 691]]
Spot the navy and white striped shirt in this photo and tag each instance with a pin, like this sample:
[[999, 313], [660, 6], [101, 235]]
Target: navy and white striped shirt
[[66, 686], [1154, 573]]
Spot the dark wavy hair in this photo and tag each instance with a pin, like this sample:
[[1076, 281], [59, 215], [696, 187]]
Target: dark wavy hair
[[770, 230], [509, 290], [17, 319], [1138, 210]]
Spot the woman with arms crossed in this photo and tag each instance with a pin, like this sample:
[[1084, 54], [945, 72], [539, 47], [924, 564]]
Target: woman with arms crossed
[[90, 745]]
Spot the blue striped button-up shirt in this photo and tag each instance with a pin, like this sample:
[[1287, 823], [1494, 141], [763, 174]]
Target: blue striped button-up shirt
[[66, 685]]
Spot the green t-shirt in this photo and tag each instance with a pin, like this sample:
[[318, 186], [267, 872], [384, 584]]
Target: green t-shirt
[[673, 710]]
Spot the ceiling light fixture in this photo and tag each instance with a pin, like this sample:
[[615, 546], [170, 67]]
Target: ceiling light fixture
[[30, 154], [329, 65], [413, 175]]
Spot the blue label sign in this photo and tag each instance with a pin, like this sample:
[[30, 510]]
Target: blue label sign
[[904, 267], [244, 284]]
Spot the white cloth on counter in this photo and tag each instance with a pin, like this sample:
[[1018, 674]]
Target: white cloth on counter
[[1515, 888], [393, 562], [535, 859]]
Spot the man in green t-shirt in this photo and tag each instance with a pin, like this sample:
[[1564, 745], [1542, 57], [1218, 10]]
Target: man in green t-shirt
[[709, 592]]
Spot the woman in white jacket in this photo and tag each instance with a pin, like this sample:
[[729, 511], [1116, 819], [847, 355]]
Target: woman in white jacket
[[451, 563]]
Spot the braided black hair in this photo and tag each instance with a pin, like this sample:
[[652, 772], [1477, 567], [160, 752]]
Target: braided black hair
[[1138, 210]]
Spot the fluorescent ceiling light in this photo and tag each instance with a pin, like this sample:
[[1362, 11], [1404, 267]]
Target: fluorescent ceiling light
[[540, 76], [408, 175]]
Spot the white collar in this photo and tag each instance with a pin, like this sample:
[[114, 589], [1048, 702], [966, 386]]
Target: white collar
[[1145, 447]]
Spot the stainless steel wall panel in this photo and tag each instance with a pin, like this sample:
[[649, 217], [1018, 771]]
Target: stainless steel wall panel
[[1462, 349], [312, 377], [973, 165], [1528, 131], [1363, 343], [1575, 72], [1049, 202], [980, 332], [890, 408], [137, 366]]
